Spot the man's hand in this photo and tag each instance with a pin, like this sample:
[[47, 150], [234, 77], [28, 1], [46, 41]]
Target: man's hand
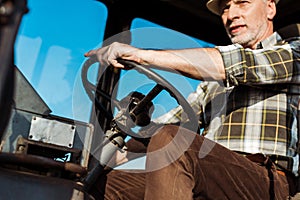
[[108, 55]]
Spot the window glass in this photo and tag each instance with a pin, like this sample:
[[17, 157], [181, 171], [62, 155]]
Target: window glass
[[52, 39]]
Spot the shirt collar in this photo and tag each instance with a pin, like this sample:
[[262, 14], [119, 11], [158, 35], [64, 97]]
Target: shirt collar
[[269, 41]]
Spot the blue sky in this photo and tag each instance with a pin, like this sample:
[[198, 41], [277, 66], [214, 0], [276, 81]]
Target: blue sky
[[54, 36], [50, 45]]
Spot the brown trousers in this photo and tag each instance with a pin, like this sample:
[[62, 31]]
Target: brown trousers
[[184, 166]]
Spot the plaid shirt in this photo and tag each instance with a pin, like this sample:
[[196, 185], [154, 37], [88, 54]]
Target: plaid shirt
[[256, 109]]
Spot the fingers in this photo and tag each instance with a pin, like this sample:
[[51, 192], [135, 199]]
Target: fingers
[[108, 55], [116, 64], [90, 53], [103, 57]]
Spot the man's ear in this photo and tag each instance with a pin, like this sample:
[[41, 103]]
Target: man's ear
[[271, 9]]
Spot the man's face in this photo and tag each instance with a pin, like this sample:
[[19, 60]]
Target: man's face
[[247, 22]]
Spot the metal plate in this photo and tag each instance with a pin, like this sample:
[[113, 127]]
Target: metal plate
[[52, 132]]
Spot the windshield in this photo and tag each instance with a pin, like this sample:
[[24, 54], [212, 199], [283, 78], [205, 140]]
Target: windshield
[[50, 45], [51, 42]]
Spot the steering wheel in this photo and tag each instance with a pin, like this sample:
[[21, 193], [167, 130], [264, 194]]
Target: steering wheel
[[161, 84]]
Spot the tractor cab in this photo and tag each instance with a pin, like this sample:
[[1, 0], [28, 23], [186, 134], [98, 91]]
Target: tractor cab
[[64, 116]]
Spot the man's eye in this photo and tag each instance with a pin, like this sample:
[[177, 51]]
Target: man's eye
[[242, 2], [225, 9]]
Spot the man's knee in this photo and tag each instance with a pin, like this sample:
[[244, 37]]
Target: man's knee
[[162, 137], [168, 144]]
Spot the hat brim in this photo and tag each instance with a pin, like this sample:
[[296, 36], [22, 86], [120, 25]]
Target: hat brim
[[214, 6]]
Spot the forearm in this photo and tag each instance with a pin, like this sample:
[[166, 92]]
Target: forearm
[[200, 63]]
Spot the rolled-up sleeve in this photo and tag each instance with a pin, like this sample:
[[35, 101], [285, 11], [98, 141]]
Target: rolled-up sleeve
[[261, 66]]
